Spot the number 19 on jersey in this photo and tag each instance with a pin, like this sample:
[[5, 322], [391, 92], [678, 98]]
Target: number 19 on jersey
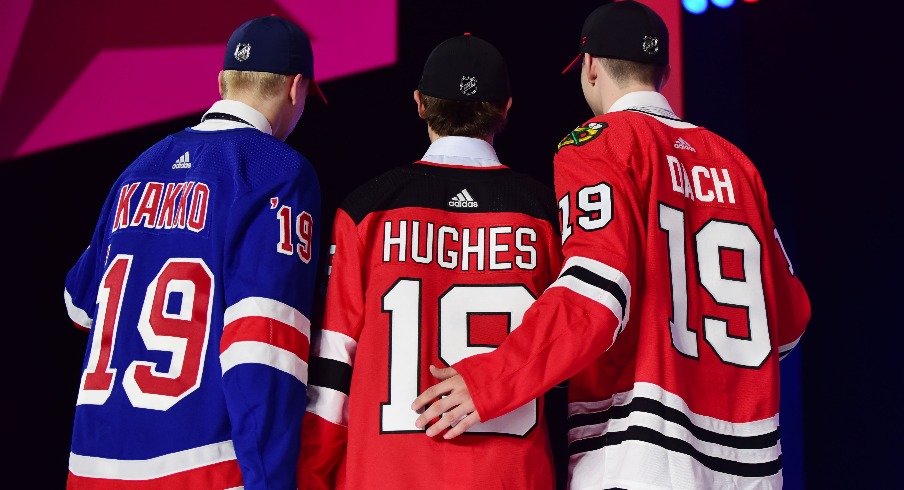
[[403, 303]]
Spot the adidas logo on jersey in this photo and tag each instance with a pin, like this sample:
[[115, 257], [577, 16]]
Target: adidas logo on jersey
[[182, 162], [681, 144], [463, 200]]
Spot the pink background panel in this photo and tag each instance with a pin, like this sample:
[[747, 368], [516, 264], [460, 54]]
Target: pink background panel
[[125, 88]]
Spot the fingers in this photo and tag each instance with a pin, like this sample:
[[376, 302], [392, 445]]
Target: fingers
[[442, 373], [431, 394], [438, 408], [448, 419], [466, 423], [445, 421]]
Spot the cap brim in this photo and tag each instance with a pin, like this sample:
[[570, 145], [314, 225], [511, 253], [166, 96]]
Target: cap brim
[[314, 89], [574, 63]]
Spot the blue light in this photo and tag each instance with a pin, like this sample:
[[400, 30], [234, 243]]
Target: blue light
[[723, 3], [695, 6]]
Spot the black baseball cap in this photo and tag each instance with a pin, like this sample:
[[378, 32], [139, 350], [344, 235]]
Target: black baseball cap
[[466, 68], [274, 45], [625, 30]]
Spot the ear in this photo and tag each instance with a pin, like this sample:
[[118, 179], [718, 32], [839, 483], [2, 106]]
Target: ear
[[508, 106], [590, 69], [298, 89], [220, 85], [419, 101]]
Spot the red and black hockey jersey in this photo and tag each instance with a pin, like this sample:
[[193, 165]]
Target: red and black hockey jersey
[[430, 264], [674, 304]]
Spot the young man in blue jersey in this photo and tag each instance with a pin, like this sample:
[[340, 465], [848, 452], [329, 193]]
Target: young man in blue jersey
[[197, 289]]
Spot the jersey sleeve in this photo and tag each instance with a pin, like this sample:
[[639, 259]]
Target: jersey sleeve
[[585, 309], [83, 280], [270, 264], [325, 431], [791, 302]]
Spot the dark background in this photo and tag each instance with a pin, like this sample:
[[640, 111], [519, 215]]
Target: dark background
[[796, 85]]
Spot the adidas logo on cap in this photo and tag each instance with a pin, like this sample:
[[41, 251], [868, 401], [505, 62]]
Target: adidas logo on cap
[[182, 162], [463, 200], [681, 144]]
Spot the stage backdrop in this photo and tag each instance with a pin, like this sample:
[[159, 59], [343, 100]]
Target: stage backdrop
[[86, 86]]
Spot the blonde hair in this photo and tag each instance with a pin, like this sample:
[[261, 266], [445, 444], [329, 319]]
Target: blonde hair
[[263, 84]]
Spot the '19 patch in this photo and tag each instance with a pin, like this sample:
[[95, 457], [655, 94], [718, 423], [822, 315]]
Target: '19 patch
[[582, 134]]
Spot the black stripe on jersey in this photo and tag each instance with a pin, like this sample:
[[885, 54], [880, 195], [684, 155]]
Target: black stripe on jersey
[[330, 373], [225, 117], [637, 433], [651, 113], [676, 416], [598, 281], [430, 186]]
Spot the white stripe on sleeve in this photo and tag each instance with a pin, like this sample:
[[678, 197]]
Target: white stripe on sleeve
[[77, 314], [334, 345], [249, 352], [148, 469], [329, 404], [255, 306]]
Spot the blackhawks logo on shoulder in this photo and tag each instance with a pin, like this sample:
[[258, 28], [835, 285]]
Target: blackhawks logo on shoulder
[[582, 134]]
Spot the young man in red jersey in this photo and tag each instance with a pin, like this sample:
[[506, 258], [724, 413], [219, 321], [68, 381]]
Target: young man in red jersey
[[432, 263], [675, 302]]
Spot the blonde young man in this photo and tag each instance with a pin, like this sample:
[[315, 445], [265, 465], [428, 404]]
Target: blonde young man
[[197, 287]]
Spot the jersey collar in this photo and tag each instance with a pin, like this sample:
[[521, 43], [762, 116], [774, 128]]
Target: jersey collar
[[650, 102], [462, 151], [234, 108]]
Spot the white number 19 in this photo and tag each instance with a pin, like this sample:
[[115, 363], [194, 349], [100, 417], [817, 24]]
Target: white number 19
[[744, 293], [403, 303]]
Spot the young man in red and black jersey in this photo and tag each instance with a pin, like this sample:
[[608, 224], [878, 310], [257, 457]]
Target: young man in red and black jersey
[[675, 302], [432, 263]]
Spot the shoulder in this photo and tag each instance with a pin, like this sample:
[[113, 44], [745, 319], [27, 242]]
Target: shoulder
[[149, 159], [371, 195], [607, 130], [262, 160], [530, 187], [532, 197]]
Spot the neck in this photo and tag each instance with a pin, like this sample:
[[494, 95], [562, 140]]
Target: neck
[[433, 136], [268, 107], [609, 97]]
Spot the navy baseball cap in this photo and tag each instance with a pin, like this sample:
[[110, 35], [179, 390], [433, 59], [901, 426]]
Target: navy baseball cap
[[625, 30], [466, 68], [274, 45]]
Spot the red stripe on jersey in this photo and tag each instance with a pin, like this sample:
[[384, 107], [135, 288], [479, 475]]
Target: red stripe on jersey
[[220, 475], [268, 331]]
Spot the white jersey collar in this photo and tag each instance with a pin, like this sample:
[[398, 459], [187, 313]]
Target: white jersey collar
[[238, 109], [462, 150], [645, 101]]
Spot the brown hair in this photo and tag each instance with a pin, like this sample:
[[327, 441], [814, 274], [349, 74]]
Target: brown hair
[[625, 72], [263, 84], [464, 118]]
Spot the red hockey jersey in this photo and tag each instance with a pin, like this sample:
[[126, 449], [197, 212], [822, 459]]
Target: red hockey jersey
[[431, 264], [674, 304]]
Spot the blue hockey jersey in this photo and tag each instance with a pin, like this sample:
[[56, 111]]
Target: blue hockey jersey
[[197, 290]]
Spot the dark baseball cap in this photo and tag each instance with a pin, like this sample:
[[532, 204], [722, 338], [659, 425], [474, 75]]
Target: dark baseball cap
[[274, 45], [466, 68], [625, 30]]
